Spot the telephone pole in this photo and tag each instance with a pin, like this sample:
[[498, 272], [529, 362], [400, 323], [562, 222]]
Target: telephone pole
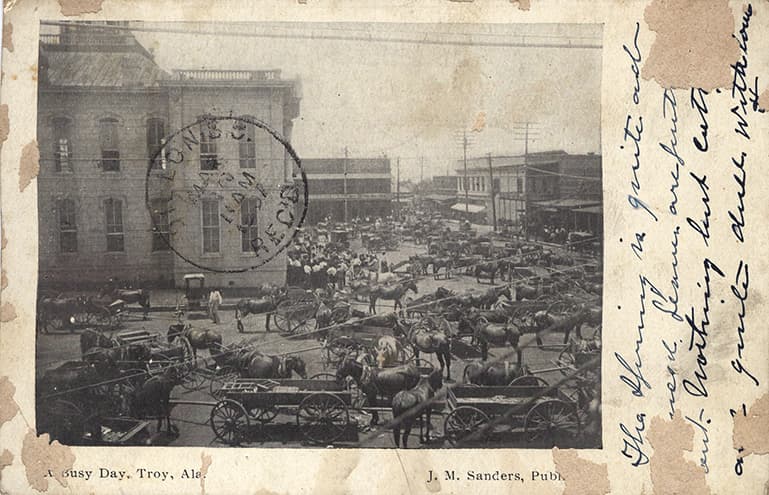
[[398, 188], [525, 131], [344, 165], [491, 193]]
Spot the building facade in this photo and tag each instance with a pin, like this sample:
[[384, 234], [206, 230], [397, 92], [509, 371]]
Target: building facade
[[531, 186], [105, 113], [345, 188]]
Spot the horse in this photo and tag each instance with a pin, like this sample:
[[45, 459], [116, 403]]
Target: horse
[[254, 364], [547, 323], [93, 338], [408, 405], [497, 374], [487, 333], [489, 269], [246, 307], [61, 308], [373, 382], [389, 351], [152, 399], [445, 262], [199, 338], [132, 296], [394, 293], [431, 338], [491, 296]]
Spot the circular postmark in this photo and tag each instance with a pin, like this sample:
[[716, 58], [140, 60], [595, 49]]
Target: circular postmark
[[225, 193]]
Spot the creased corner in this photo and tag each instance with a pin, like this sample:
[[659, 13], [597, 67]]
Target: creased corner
[[670, 471], [29, 164], [580, 476], [694, 46], [78, 7], [750, 430], [43, 461]]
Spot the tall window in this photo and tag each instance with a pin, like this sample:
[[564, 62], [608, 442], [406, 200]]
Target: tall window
[[249, 230], [208, 158], [156, 129], [210, 212], [113, 209], [67, 226], [62, 134], [247, 147], [519, 184], [108, 137], [160, 226]]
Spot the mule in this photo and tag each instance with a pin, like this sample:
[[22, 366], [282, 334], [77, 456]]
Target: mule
[[152, 399], [412, 404], [254, 364], [376, 382], [394, 293], [496, 374], [488, 270], [492, 333], [445, 262], [245, 307], [199, 338], [431, 339]]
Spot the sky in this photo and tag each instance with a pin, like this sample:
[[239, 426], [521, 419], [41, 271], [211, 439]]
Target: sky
[[413, 100]]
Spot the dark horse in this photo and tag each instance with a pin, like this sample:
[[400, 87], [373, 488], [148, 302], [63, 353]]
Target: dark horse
[[394, 293], [93, 338], [488, 270], [377, 382], [432, 336], [152, 399], [498, 374], [199, 338], [132, 296], [254, 364], [491, 333], [246, 307], [414, 403], [445, 262]]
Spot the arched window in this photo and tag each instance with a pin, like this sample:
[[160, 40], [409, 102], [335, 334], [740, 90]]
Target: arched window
[[113, 209], [67, 226], [62, 147], [110, 150]]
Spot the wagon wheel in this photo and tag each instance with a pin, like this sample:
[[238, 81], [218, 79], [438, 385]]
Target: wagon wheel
[[566, 361], [67, 422], [550, 421], [220, 377], [529, 381], [281, 321], [339, 347], [322, 418], [194, 379], [301, 323], [229, 421], [340, 313], [463, 422], [263, 415]]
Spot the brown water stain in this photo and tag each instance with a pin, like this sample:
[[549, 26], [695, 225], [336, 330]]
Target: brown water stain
[[6, 459], [78, 7], [480, 122], [5, 125], [41, 458], [205, 463], [7, 312], [763, 100], [8, 406], [694, 46], [8, 36], [3, 279], [522, 4], [671, 473], [580, 476], [29, 164], [750, 431], [334, 470]]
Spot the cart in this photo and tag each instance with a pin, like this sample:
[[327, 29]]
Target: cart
[[194, 287], [541, 416], [295, 313], [320, 409]]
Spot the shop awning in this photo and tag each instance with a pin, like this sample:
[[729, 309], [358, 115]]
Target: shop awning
[[470, 208], [441, 197], [568, 204]]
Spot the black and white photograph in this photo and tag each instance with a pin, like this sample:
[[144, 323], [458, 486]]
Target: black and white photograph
[[319, 235]]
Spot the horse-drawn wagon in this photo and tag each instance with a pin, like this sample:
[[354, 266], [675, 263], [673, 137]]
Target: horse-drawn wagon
[[542, 416], [320, 409], [194, 290]]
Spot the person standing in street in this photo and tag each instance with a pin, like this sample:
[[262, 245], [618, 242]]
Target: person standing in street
[[214, 300]]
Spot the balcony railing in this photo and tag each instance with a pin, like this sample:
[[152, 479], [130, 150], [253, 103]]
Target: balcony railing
[[227, 75]]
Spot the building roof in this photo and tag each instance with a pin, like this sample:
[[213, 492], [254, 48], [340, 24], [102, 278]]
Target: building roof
[[101, 69]]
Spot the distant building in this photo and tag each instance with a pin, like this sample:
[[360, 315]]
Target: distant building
[[555, 187], [104, 111], [345, 188]]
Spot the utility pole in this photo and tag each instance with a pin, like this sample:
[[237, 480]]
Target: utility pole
[[344, 166], [464, 157], [525, 131], [398, 188], [491, 192]]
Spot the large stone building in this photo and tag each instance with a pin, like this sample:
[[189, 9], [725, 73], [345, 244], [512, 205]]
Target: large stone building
[[106, 112], [345, 188], [546, 187]]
